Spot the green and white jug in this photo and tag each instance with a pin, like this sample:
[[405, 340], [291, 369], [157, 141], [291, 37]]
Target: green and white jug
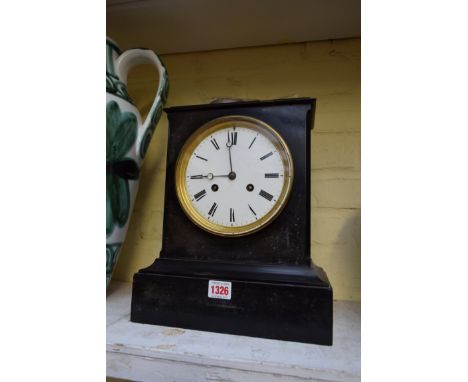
[[127, 139]]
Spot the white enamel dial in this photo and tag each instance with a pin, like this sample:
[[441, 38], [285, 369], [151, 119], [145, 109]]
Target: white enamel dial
[[234, 176]]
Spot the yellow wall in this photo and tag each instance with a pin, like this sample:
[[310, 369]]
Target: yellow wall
[[328, 71]]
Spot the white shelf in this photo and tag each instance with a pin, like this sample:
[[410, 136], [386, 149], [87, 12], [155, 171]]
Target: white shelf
[[157, 353]]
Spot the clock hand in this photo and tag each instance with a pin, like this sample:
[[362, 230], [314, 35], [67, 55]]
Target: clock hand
[[209, 176], [229, 145]]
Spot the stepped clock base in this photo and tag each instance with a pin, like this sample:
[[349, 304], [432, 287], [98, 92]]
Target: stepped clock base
[[268, 303]]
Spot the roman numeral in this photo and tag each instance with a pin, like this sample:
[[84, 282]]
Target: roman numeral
[[251, 143], [196, 177], [251, 209], [266, 156], [213, 209], [233, 138], [266, 195], [199, 195], [215, 144], [232, 218], [199, 157], [272, 175]]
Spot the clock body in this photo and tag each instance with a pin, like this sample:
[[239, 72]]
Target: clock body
[[289, 233], [237, 210]]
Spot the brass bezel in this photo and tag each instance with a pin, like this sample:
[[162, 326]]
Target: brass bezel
[[186, 152]]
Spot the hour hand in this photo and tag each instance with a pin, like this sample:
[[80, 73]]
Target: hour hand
[[209, 176]]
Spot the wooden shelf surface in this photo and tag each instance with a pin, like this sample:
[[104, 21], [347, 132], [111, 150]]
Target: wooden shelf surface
[[156, 353]]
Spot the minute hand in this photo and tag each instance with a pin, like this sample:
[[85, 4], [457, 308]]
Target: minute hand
[[229, 145]]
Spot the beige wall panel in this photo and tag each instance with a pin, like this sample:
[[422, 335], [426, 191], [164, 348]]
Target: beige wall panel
[[328, 71]]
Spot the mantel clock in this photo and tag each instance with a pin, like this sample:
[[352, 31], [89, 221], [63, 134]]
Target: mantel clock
[[235, 255]]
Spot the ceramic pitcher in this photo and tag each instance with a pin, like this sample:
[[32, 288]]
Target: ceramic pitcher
[[127, 139]]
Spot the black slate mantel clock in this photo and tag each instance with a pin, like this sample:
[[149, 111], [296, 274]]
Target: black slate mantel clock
[[235, 255]]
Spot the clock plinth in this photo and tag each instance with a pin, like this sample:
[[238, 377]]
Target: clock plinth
[[268, 286], [271, 301]]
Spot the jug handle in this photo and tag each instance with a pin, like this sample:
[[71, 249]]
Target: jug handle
[[129, 60]]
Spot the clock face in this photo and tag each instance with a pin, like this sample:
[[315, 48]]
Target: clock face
[[234, 175]]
